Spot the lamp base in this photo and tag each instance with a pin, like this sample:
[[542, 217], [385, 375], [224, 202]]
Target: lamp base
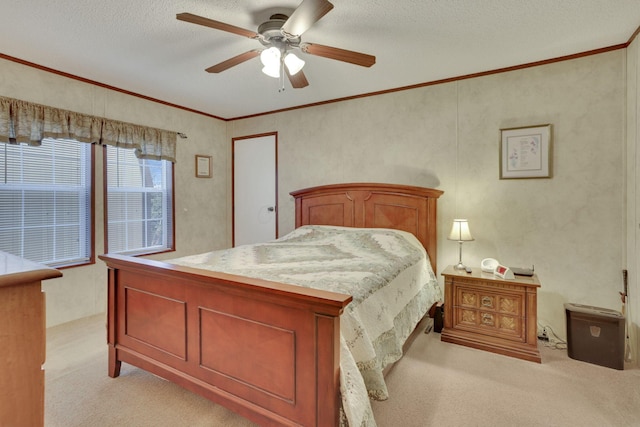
[[460, 266]]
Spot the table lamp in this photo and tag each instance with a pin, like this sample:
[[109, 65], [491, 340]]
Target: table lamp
[[460, 233]]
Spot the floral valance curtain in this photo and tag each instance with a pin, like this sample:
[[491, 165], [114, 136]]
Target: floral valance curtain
[[25, 122]]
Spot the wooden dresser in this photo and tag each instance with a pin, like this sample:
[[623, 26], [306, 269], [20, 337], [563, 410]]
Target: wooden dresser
[[485, 312], [22, 340]]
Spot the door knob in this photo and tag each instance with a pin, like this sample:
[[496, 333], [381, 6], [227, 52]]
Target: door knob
[[271, 209]]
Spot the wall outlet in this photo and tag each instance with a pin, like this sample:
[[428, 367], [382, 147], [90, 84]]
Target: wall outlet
[[543, 336]]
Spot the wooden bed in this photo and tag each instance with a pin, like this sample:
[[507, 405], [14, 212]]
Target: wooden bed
[[268, 351]]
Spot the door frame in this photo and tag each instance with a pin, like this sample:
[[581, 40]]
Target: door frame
[[233, 180]]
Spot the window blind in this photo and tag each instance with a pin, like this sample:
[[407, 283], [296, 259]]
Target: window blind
[[45, 202], [139, 203]]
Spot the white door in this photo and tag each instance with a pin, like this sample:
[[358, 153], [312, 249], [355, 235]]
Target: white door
[[254, 189]]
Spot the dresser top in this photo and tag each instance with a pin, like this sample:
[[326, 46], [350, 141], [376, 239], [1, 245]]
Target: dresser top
[[15, 270], [477, 273]]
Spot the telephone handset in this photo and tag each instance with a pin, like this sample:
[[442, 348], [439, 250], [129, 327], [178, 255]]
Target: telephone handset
[[488, 265]]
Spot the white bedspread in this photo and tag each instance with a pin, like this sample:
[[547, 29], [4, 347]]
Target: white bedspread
[[387, 272]]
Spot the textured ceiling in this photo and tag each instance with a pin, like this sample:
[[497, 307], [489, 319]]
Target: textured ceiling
[[139, 46]]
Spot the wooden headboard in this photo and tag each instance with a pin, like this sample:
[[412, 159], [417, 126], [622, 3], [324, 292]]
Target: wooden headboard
[[370, 205]]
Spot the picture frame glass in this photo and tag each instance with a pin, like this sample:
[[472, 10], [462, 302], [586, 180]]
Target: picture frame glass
[[203, 166], [525, 152]]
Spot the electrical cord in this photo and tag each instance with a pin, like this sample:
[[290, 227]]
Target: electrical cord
[[557, 343], [553, 341]]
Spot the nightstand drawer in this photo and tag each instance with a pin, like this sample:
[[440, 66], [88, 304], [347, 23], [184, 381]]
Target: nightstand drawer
[[505, 303], [489, 323]]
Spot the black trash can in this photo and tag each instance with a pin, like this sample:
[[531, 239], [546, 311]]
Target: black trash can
[[595, 335]]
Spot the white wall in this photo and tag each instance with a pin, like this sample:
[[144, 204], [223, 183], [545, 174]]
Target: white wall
[[201, 222], [572, 226]]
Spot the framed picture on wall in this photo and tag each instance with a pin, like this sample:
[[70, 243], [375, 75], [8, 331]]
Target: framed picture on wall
[[203, 166], [525, 152]]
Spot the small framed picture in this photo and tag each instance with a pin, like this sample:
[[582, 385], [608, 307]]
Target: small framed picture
[[203, 166], [525, 152]]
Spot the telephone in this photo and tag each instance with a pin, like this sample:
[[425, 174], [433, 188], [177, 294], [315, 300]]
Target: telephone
[[503, 272], [488, 265], [522, 271]]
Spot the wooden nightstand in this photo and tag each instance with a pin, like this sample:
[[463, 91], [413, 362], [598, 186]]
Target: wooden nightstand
[[485, 312]]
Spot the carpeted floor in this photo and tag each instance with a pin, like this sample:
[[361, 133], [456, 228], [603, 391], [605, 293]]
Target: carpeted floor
[[434, 384]]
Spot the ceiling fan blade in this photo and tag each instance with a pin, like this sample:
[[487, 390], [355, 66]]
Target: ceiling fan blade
[[305, 15], [298, 80], [232, 62], [195, 19], [344, 55]]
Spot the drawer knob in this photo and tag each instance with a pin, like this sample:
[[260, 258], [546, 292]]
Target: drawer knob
[[487, 319], [486, 302]]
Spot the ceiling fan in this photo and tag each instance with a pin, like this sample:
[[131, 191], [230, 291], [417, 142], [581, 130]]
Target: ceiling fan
[[280, 35]]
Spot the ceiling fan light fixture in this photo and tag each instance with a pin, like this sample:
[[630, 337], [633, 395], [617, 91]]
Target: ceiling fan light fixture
[[271, 60], [270, 57], [293, 63], [272, 71]]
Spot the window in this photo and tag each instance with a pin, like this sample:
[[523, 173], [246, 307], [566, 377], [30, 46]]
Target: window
[[139, 211], [46, 202]]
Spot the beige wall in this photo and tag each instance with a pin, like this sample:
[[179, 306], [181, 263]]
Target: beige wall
[[633, 194], [82, 290], [572, 227]]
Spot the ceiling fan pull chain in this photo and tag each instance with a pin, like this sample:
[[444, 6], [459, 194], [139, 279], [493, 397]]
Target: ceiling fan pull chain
[[281, 74]]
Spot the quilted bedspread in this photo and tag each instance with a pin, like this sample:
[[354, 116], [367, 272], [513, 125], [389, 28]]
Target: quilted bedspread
[[387, 272]]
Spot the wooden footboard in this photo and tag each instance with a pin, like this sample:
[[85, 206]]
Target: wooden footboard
[[268, 351]]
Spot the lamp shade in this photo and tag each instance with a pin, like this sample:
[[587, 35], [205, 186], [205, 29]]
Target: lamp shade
[[460, 231], [271, 71], [293, 63], [270, 57], [271, 60]]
